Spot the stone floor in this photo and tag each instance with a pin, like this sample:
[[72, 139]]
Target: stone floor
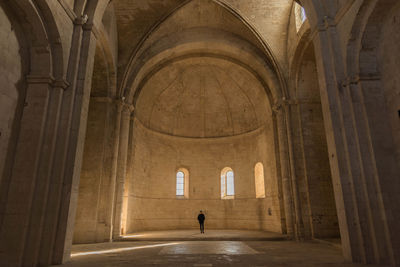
[[209, 235], [203, 252]]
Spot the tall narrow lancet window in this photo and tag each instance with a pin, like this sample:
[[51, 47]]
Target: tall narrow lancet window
[[300, 15], [259, 180], [227, 184], [182, 183]]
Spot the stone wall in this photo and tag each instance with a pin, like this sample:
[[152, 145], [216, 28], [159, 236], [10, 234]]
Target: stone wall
[[93, 217], [389, 63], [318, 201], [153, 204], [311, 161], [10, 79]]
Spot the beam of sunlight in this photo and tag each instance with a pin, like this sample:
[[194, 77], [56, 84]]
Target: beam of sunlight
[[120, 249], [130, 236]]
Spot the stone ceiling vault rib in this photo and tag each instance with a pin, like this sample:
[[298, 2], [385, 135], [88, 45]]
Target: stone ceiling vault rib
[[257, 41]]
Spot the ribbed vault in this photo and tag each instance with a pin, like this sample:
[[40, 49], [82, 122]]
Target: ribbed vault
[[201, 27]]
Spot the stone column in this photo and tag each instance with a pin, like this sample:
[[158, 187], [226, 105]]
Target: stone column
[[25, 179], [285, 170], [63, 133], [71, 158], [106, 199], [43, 185], [338, 141], [129, 169], [38, 217], [358, 200], [298, 224], [114, 167], [121, 168]]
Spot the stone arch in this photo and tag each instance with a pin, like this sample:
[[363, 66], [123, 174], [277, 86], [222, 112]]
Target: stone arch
[[39, 85], [375, 95], [41, 37], [13, 90], [259, 48], [41, 55]]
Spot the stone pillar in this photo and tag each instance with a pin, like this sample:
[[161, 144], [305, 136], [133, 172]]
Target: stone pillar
[[298, 224], [72, 148], [58, 167], [106, 199], [343, 183], [121, 168], [38, 214], [110, 215], [43, 184], [129, 169], [285, 170], [25, 179], [356, 193]]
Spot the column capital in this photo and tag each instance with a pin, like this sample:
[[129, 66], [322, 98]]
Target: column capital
[[60, 83], [277, 106], [283, 103], [81, 20], [39, 79], [47, 79], [360, 77], [124, 106]]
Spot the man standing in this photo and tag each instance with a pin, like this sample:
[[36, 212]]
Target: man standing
[[201, 219]]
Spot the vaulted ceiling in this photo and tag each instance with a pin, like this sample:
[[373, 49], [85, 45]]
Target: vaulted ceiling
[[136, 20], [201, 68]]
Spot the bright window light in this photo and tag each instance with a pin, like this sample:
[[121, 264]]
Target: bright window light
[[230, 189], [300, 15], [180, 183], [259, 180], [227, 183]]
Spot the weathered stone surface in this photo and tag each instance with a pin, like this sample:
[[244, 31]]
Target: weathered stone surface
[[101, 102]]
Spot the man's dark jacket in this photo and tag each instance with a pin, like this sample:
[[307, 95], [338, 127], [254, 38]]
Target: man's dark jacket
[[201, 218]]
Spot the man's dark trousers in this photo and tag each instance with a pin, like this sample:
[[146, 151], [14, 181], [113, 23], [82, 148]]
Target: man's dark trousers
[[201, 227]]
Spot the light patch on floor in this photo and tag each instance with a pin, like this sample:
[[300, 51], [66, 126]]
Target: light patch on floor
[[209, 247], [116, 250]]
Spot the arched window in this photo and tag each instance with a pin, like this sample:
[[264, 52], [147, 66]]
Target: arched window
[[227, 183], [259, 180], [182, 183], [300, 14]]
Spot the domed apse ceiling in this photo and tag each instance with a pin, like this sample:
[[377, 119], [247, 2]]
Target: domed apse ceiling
[[202, 97]]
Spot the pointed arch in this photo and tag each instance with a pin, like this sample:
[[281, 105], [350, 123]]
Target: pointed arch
[[147, 51]]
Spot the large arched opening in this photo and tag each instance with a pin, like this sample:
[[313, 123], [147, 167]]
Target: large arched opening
[[200, 102]]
